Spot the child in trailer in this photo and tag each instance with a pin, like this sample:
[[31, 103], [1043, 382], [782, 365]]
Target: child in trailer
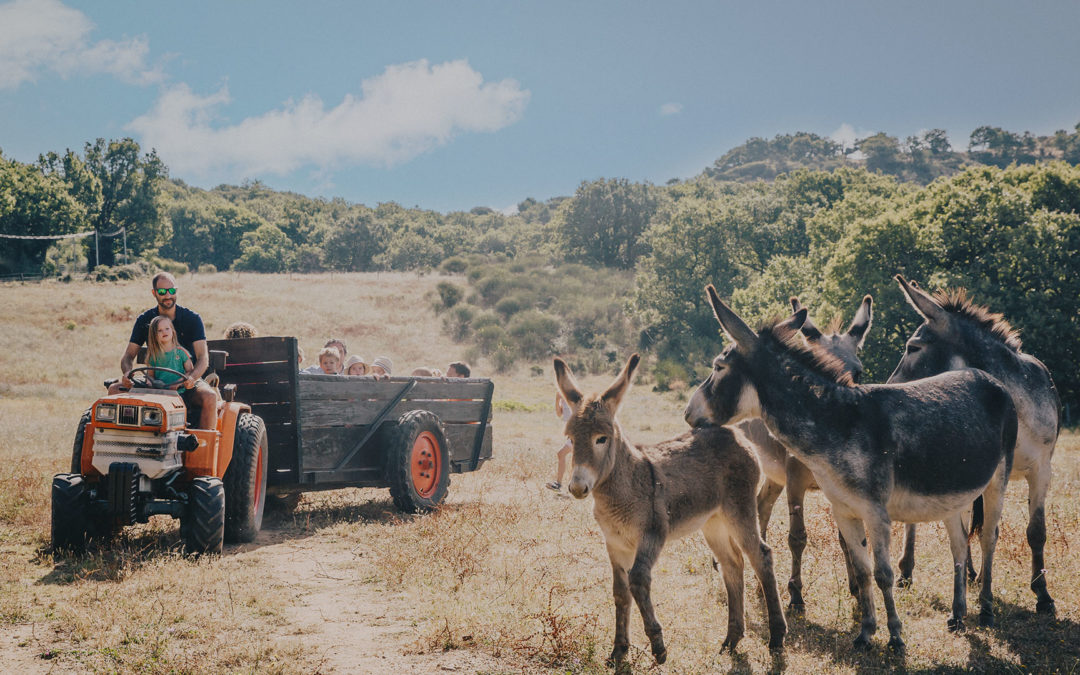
[[355, 366], [163, 351], [329, 361]]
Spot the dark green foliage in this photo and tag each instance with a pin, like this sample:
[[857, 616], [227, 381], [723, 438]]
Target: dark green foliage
[[449, 294], [604, 220]]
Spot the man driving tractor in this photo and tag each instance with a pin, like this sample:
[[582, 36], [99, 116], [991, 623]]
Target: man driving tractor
[[190, 334]]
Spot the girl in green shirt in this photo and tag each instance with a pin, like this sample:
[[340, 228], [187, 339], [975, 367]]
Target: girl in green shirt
[[163, 351]]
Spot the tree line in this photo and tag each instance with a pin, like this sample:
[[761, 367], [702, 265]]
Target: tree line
[[795, 215]]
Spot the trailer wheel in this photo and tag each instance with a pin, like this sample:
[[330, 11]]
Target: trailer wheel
[[203, 524], [418, 465], [76, 448], [69, 505], [245, 480]]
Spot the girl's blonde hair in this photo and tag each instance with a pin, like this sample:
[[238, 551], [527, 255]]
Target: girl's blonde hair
[[154, 348]]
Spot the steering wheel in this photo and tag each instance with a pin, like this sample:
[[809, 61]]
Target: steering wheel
[[147, 382]]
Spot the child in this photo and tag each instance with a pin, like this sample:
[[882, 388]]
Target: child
[[381, 367], [330, 361], [562, 409], [162, 351], [355, 366]]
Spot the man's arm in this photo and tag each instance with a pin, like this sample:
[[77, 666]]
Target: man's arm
[[202, 359], [126, 361]]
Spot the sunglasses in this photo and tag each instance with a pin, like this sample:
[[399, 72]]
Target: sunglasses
[[163, 291]]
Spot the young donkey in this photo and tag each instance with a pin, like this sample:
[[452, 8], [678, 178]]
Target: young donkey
[[911, 452], [645, 495], [957, 333], [782, 470]]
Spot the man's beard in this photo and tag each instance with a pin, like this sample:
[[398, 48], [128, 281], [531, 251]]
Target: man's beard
[[167, 303]]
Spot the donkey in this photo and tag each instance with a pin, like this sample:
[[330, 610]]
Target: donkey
[[782, 470], [910, 452], [643, 496], [956, 333]]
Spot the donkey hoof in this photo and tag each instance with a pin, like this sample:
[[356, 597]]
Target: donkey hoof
[[956, 624], [660, 656], [617, 656], [897, 645], [862, 643], [776, 644], [986, 619], [729, 645], [904, 582], [797, 607], [1046, 607]]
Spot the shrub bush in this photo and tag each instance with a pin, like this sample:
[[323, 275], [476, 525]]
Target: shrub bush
[[510, 306], [454, 265], [207, 268], [534, 333], [450, 294], [458, 322]]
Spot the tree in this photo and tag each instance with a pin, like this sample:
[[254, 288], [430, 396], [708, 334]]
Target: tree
[[604, 221], [937, 141], [882, 152], [130, 186], [33, 204], [266, 249]]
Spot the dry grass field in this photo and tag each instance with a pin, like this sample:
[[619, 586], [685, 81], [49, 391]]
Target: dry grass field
[[507, 578]]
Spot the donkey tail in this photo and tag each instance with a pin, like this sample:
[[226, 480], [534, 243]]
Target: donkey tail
[[977, 516]]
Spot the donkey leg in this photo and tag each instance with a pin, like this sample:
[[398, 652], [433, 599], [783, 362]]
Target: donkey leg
[[852, 585], [731, 566], [1038, 485], [879, 527], [761, 561], [620, 590], [766, 499], [907, 560], [640, 584], [799, 479], [852, 529], [958, 543], [993, 504]]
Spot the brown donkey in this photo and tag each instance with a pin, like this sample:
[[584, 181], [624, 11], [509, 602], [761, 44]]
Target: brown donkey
[[643, 496]]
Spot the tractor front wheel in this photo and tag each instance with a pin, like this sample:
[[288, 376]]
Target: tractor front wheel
[[203, 524], [245, 480], [418, 464], [69, 505], [76, 448]]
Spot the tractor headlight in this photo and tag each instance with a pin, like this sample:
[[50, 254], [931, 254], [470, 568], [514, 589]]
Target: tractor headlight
[[106, 412], [151, 417], [177, 419]]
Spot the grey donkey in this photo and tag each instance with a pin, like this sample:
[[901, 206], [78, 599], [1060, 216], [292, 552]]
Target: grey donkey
[[645, 495]]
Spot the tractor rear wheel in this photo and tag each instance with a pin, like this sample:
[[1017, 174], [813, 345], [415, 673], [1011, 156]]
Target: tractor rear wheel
[[245, 480], [418, 464], [203, 524], [69, 505]]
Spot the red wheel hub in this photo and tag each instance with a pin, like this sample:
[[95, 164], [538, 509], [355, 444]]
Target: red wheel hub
[[258, 476], [425, 464]]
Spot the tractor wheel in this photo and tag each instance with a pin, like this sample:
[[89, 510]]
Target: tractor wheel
[[76, 448], [203, 524], [69, 505], [418, 464], [245, 480]]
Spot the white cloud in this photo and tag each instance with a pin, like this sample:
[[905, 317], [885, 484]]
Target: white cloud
[[407, 110], [45, 35], [670, 109]]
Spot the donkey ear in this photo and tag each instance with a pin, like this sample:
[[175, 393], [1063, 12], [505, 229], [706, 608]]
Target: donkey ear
[[796, 321], [921, 301], [861, 323], [614, 394], [808, 328], [734, 326], [564, 380]]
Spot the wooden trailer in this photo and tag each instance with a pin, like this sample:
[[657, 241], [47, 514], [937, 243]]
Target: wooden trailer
[[331, 431]]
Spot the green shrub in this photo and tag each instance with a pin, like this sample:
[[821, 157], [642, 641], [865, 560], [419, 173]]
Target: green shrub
[[503, 358], [489, 338], [449, 294], [670, 374], [207, 268], [453, 265], [485, 319], [507, 307], [458, 322], [534, 333]]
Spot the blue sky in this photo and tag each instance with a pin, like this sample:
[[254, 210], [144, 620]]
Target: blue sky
[[449, 105]]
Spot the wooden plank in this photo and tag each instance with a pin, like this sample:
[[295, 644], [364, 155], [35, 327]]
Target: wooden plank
[[324, 448], [318, 413], [277, 392], [254, 350], [273, 413], [461, 438], [281, 455], [334, 387], [256, 372]]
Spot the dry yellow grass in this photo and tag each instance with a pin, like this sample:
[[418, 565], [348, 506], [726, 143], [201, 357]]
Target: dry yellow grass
[[507, 578]]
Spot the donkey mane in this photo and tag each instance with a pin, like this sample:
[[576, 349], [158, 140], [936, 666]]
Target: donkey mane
[[812, 356], [956, 301]]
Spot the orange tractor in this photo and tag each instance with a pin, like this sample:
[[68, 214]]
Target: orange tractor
[[136, 455]]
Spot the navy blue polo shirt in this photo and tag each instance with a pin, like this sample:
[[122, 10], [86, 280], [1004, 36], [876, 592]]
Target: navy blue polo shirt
[[187, 324]]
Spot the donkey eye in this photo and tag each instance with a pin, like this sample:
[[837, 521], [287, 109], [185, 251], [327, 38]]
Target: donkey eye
[[600, 440], [911, 349]]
